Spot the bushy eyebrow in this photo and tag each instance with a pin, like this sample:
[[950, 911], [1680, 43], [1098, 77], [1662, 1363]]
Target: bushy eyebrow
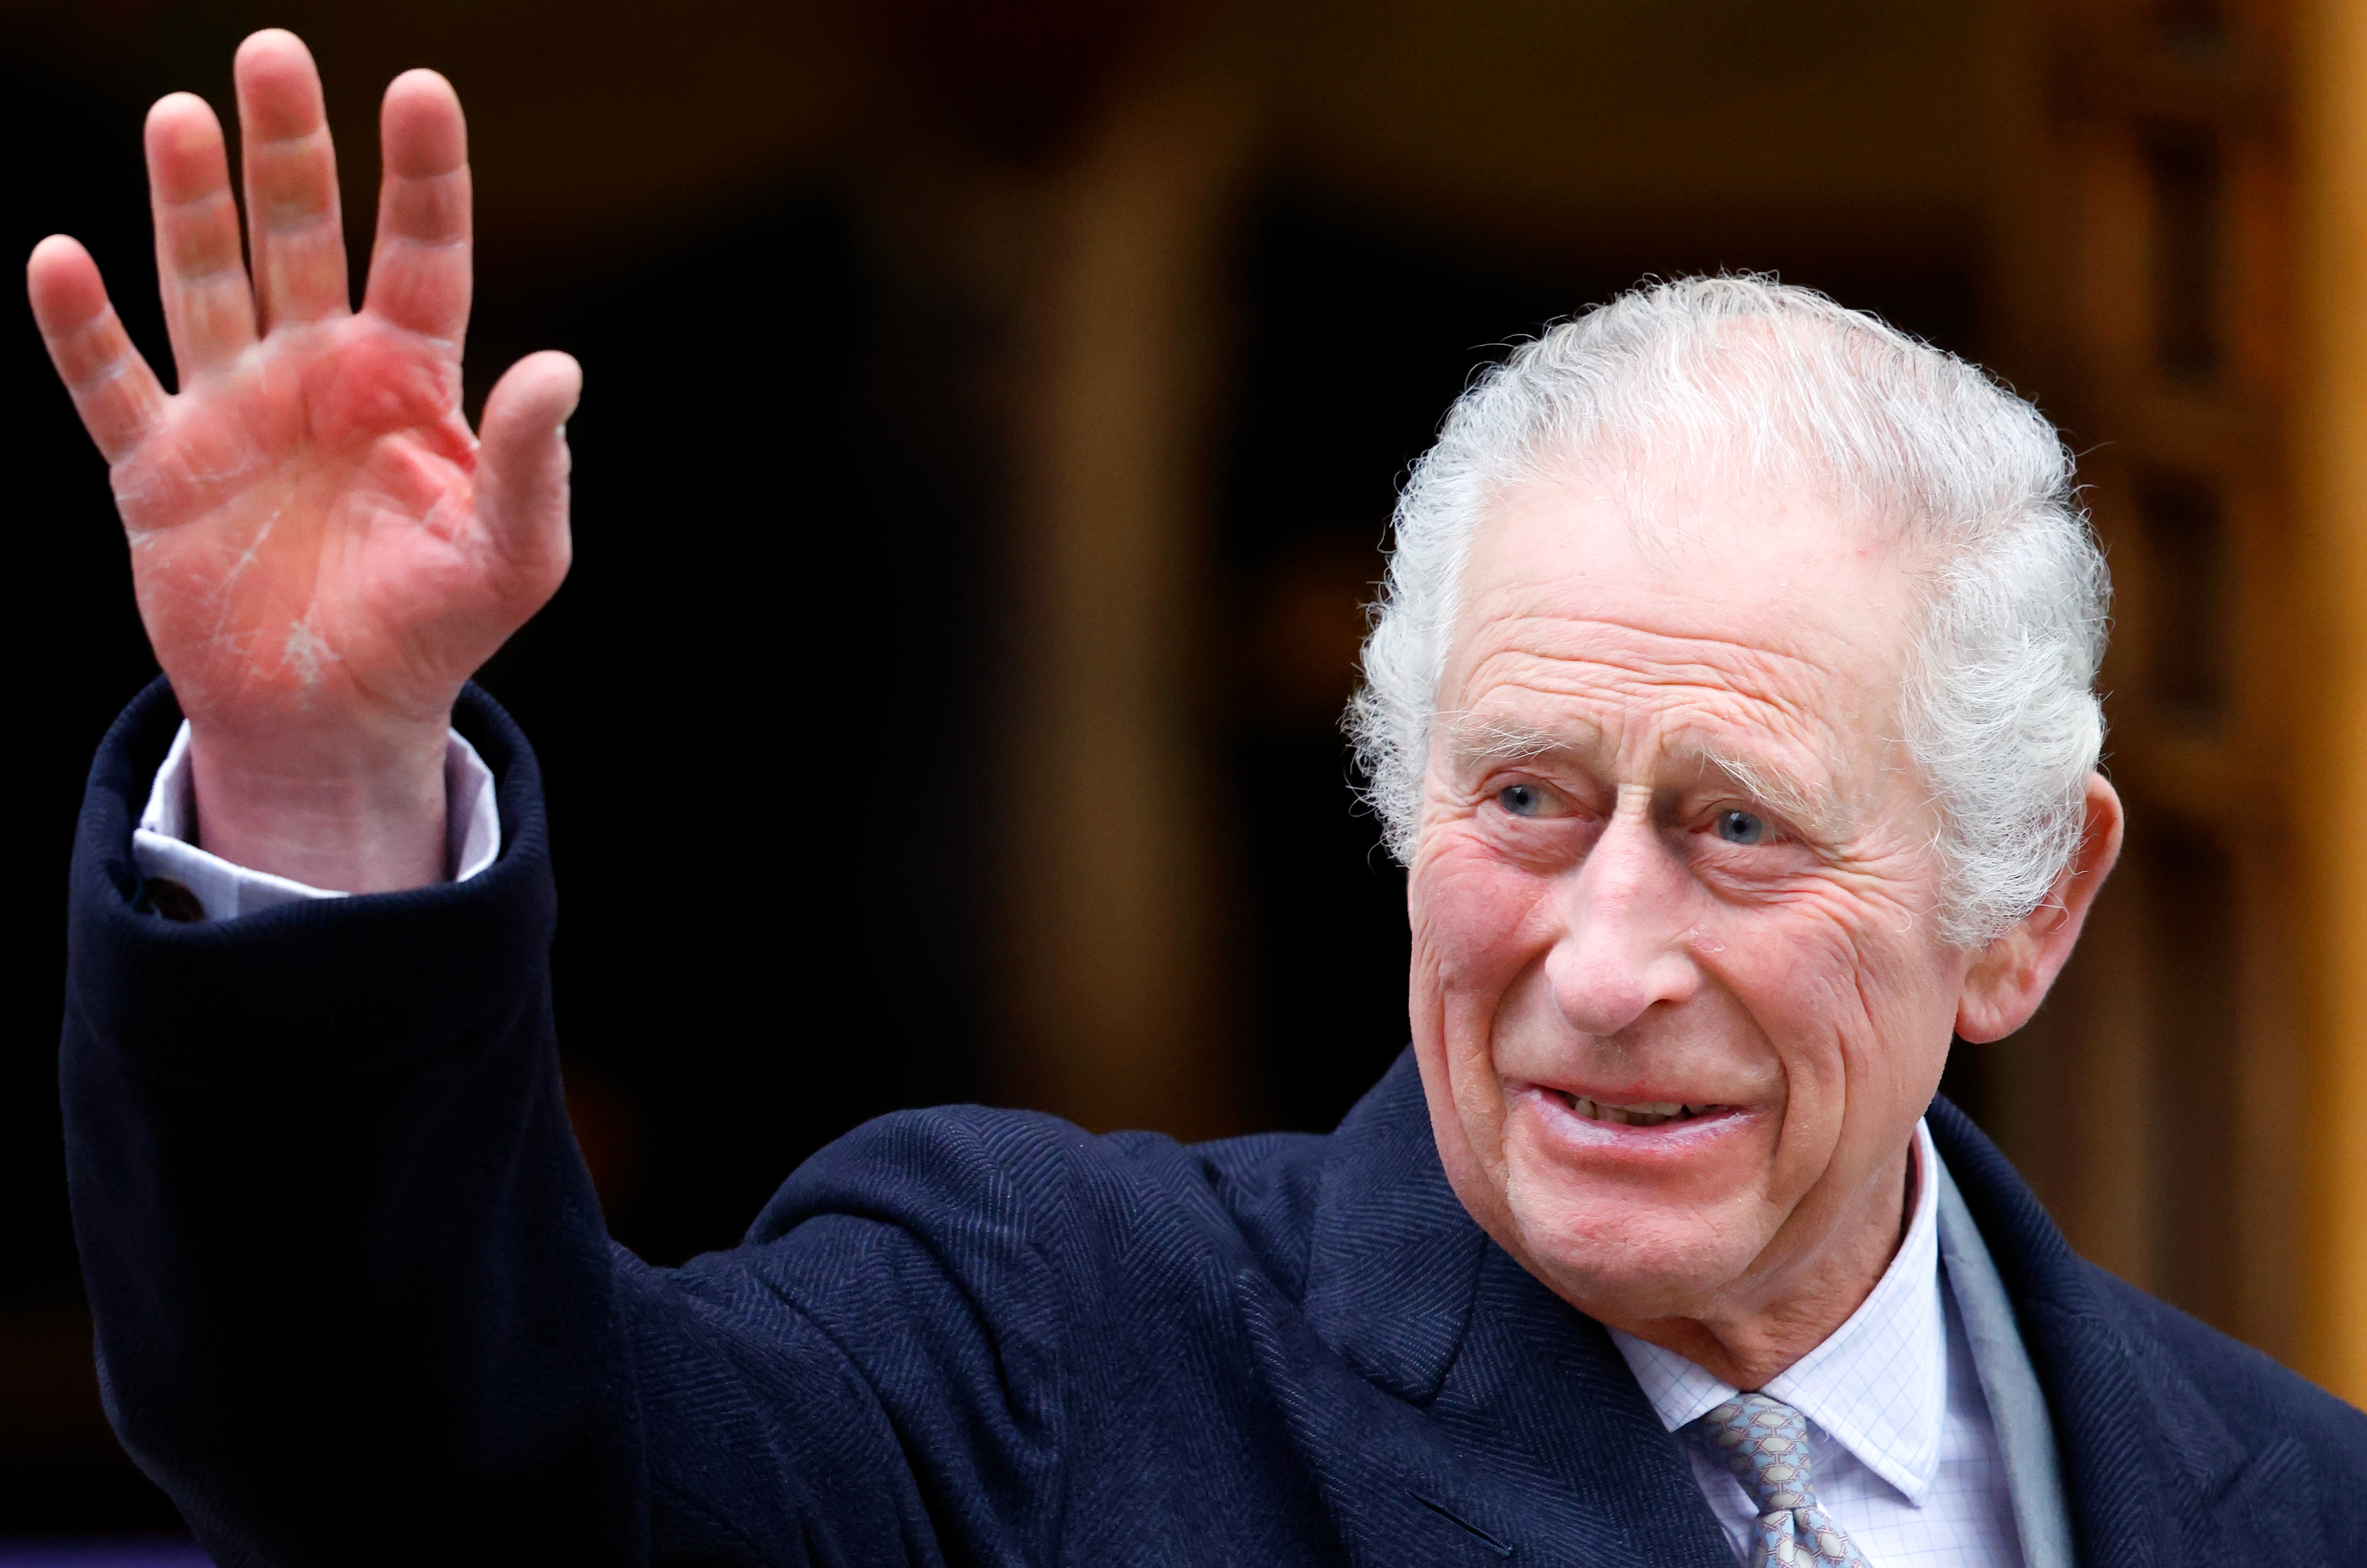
[[1471, 737], [1815, 809], [1477, 740]]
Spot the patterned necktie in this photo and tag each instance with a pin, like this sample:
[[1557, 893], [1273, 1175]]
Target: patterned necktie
[[1765, 1442]]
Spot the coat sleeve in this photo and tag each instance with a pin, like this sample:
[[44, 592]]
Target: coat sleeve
[[353, 1297]]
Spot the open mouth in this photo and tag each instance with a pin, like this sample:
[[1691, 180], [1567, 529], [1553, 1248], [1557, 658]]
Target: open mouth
[[1642, 1113]]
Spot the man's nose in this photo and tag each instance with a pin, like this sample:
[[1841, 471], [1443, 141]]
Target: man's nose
[[1625, 912]]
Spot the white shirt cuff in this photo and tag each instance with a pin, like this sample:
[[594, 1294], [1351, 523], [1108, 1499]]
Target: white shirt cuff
[[164, 844]]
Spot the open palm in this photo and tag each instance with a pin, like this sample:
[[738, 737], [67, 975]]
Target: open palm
[[317, 539], [323, 551]]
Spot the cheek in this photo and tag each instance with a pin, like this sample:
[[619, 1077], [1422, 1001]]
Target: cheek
[[1478, 925], [1476, 920], [1465, 910], [1908, 990], [1846, 969], [1858, 1010]]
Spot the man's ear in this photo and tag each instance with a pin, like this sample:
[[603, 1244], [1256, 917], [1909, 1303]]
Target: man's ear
[[2011, 975]]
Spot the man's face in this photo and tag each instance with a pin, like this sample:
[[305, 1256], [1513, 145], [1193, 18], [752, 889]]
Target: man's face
[[1673, 855]]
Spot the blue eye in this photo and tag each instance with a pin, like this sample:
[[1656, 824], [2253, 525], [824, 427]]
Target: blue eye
[[1521, 800], [1741, 827]]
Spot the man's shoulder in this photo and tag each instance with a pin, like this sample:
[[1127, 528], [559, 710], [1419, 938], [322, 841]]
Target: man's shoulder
[[1025, 1179], [2264, 1456], [1038, 1176], [2261, 1402], [2182, 1362]]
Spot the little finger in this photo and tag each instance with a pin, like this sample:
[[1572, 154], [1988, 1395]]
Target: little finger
[[117, 394]]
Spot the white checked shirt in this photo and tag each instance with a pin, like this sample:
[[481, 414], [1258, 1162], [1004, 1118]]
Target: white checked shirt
[[1902, 1452]]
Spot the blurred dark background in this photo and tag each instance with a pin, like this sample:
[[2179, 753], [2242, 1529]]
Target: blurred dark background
[[993, 414]]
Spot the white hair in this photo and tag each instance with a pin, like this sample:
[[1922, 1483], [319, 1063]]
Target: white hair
[[1781, 386]]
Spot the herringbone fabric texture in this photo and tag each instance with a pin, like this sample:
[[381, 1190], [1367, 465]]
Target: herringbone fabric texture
[[357, 1306], [1765, 1442]]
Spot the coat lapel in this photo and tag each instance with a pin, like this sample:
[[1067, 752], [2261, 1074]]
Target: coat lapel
[[1545, 1444], [1553, 1440], [2144, 1454], [1394, 1256]]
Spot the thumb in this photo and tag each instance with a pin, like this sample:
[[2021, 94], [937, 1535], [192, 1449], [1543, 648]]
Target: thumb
[[523, 458]]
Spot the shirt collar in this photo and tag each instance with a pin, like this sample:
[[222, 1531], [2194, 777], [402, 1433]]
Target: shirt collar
[[1877, 1385]]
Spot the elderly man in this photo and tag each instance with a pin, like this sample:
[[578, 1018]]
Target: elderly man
[[1730, 704]]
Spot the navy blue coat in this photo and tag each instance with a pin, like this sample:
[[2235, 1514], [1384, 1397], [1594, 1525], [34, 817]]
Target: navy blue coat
[[355, 1304]]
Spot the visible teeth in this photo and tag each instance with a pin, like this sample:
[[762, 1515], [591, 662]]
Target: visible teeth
[[1644, 1114]]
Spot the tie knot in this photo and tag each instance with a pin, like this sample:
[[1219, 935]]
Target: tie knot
[[1765, 1442]]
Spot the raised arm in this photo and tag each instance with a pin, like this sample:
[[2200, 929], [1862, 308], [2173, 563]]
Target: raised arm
[[323, 552], [354, 1301]]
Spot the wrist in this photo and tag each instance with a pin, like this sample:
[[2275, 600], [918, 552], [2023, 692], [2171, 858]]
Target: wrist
[[346, 809]]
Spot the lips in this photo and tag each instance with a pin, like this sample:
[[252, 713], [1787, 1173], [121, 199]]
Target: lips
[[1634, 1113]]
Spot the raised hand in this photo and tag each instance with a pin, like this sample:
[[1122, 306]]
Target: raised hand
[[323, 551]]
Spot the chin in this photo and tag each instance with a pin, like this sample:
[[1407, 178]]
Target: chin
[[1626, 1280], [1626, 1245]]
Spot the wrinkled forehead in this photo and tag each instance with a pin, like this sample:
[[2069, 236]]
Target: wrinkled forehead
[[1711, 545], [1740, 606]]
